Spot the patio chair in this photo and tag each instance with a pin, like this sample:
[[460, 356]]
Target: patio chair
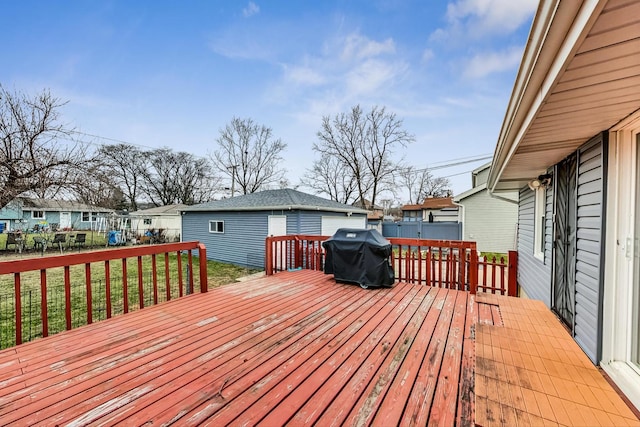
[[40, 243], [60, 239], [12, 239], [80, 239]]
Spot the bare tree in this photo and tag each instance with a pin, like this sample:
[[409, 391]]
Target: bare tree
[[249, 155], [420, 183], [327, 177], [36, 151], [99, 188], [364, 146], [124, 164], [177, 177]]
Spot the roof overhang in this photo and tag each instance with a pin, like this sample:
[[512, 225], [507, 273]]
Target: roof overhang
[[579, 75]]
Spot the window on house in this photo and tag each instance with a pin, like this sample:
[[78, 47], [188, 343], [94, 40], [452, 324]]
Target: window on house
[[89, 216], [216, 226], [147, 221], [37, 214], [539, 214]]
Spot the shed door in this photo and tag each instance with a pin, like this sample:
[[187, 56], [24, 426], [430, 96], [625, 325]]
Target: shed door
[[277, 225], [331, 224], [564, 277]]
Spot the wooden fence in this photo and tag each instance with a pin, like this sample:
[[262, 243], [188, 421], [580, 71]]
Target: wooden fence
[[110, 263], [453, 264]]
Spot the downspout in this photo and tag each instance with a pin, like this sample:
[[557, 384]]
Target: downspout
[[461, 216]]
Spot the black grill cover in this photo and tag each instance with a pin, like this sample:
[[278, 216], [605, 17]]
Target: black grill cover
[[359, 256]]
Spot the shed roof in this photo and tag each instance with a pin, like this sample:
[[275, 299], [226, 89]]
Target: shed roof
[[282, 199]]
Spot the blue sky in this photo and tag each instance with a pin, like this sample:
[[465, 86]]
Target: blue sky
[[169, 73]]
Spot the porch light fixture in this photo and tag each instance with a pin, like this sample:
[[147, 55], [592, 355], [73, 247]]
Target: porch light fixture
[[543, 181]]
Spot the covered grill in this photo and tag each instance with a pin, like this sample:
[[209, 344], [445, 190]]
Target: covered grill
[[359, 256]]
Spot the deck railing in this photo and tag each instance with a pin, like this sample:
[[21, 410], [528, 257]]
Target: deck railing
[[74, 289], [451, 264]]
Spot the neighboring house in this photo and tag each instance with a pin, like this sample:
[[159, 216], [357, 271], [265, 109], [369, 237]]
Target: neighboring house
[[25, 213], [489, 221], [166, 218], [234, 230], [570, 144], [433, 209]]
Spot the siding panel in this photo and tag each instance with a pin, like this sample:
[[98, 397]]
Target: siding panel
[[534, 276], [589, 245]]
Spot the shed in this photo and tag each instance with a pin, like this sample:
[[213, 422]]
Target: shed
[[234, 230]]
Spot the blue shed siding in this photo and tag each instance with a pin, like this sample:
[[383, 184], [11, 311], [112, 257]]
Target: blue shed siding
[[534, 275], [306, 223], [243, 240]]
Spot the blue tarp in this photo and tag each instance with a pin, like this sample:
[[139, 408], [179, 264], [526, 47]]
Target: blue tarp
[[115, 238]]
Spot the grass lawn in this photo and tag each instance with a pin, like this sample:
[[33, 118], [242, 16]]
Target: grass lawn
[[218, 274]]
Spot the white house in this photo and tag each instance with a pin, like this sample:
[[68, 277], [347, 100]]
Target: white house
[[166, 218]]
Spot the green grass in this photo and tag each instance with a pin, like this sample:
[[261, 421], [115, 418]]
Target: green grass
[[218, 274], [497, 255]]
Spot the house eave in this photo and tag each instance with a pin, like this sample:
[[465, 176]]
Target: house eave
[[540, 126]]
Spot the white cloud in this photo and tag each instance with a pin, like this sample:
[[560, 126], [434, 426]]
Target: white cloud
[[484, 64], [360, 66], [359, 47], [369, 77], [482, 17], [304, 75], [250, 10]]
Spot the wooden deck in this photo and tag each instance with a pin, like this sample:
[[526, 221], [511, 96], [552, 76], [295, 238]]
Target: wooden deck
[[293, 348]]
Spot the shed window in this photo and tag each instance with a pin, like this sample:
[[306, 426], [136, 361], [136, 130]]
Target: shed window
[[37, 214], [539, 222], [216, 226], [147, 221]]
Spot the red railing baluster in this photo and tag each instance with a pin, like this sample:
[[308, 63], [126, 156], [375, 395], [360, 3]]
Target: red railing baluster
[[180, 278], [190, 263], [154, 277], [18, 300], [140, 284], [107, 287], [87, 279], [125, 287], [513, 274], [167, 278], [67, 297], [44, 315], [202, 257]]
